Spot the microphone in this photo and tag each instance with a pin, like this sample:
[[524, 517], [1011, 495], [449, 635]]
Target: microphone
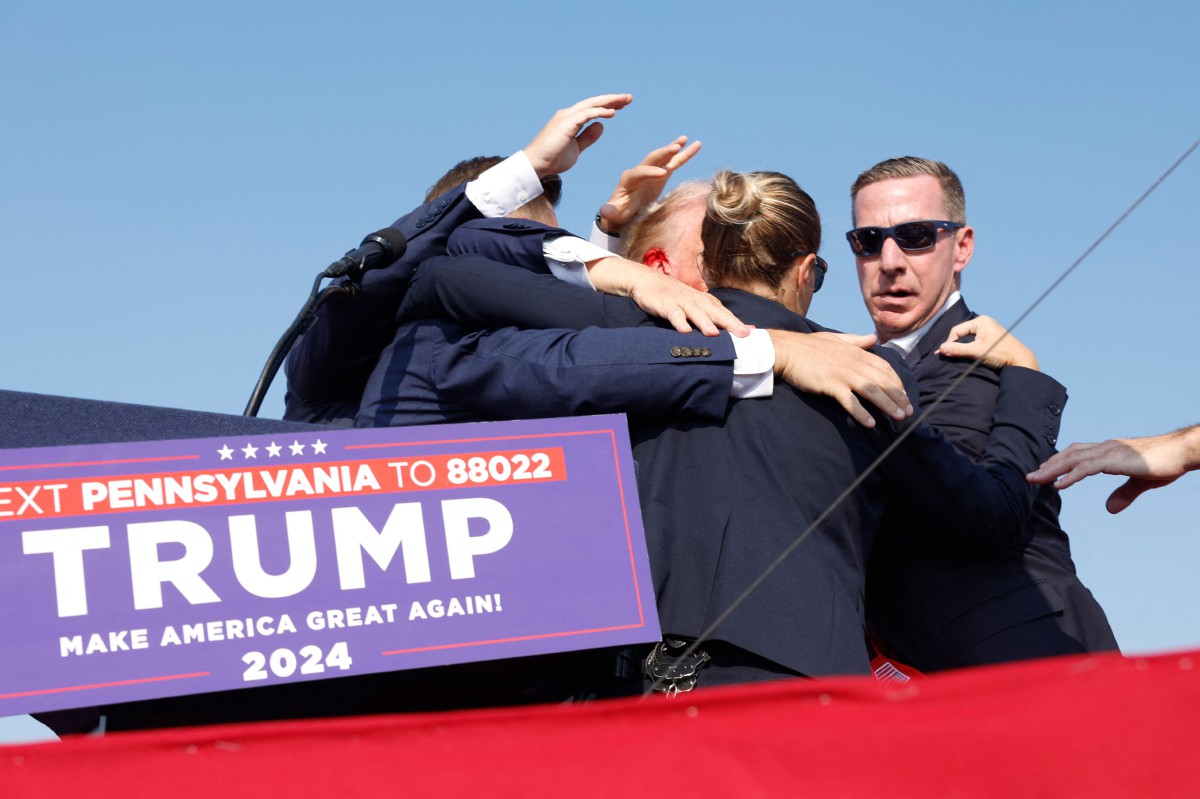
[[381, 248]]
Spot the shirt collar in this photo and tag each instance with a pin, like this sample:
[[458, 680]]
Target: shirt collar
[[907, 343]]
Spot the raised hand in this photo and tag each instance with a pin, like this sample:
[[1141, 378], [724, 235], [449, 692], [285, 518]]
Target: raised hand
[[570, 131], [642, 184]]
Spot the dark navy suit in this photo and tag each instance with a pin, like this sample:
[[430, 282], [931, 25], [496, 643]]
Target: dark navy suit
[[722, 499], [722, 502], [436, 370], [947, 607], [328, 366]]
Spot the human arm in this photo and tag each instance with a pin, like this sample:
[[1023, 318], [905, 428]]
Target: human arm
[[642, 184], [1150, 462], [646, 372], [984, 503], [328, 366], [541, 249], [478, 293]]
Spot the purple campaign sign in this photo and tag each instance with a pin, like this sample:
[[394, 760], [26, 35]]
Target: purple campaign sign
[[134, 571]]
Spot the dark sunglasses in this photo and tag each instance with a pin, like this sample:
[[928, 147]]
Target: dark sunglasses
[[909, 236], [822, 268]]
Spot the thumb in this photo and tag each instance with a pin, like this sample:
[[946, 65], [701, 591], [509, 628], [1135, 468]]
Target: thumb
[[961, 329], [1124, 496], [862, 341], [588, 136]]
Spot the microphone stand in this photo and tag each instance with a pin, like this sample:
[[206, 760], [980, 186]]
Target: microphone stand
[[302, 322]]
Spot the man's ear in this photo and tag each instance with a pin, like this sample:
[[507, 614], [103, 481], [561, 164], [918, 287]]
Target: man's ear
[[656, 258]]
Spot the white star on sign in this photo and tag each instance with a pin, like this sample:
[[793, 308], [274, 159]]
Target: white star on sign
[[273, 450], [319, 447], [296, 447], [250, 450], [226, 453]]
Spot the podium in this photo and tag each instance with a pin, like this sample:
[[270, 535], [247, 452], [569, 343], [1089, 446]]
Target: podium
[[551, 509]]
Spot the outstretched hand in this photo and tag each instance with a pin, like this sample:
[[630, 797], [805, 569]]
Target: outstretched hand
[[1151, 462], [570, 131], [642, 185], [993, 345], [838, 365]]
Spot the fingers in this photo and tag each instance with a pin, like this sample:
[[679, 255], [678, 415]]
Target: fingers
[[588, 136], [706, 314], [1050, 470], [887, 393], [631, 178], [607, 102], [712, 319], [683, 156], [577, 116], [955, 349], [864, 342], [679, 320], [837, 368], [681, 305], [1065, 468], [571, 131], [604, 106], [855, 408], [885, 402], [967, 328], [877, 383], [662, 156]]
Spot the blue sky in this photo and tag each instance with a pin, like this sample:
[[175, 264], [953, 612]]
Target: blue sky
[[174, 175]]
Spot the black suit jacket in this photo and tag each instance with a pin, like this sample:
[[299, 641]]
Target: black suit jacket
[[944, 606], [688, 515], [328, 367], [722, 503]]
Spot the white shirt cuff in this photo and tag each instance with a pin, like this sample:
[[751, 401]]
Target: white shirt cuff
[[505, 187], [753, 365], [602, 239], [567, 257]]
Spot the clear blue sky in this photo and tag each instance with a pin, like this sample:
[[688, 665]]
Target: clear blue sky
[[174, 175]]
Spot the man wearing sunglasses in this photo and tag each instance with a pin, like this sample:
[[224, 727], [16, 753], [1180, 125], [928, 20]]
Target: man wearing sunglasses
[[934, 605]]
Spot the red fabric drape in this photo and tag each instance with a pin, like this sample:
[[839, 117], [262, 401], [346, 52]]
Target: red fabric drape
[[1097, 726]]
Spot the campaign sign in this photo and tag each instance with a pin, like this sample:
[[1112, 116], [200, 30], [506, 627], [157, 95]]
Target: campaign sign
[[134, 571]]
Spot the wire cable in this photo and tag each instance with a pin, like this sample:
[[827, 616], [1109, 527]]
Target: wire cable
[[753, 586]]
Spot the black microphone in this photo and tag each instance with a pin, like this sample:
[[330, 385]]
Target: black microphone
[[381, 248]]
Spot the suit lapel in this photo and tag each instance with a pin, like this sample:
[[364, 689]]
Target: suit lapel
[[934, 336]]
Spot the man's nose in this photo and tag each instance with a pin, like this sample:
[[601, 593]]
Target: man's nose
[[891, 257]]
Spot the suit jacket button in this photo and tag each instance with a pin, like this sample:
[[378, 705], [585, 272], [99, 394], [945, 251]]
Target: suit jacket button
[[1051, 440], [676, 352], [421, 223], [1055, 410], [706, 352]]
